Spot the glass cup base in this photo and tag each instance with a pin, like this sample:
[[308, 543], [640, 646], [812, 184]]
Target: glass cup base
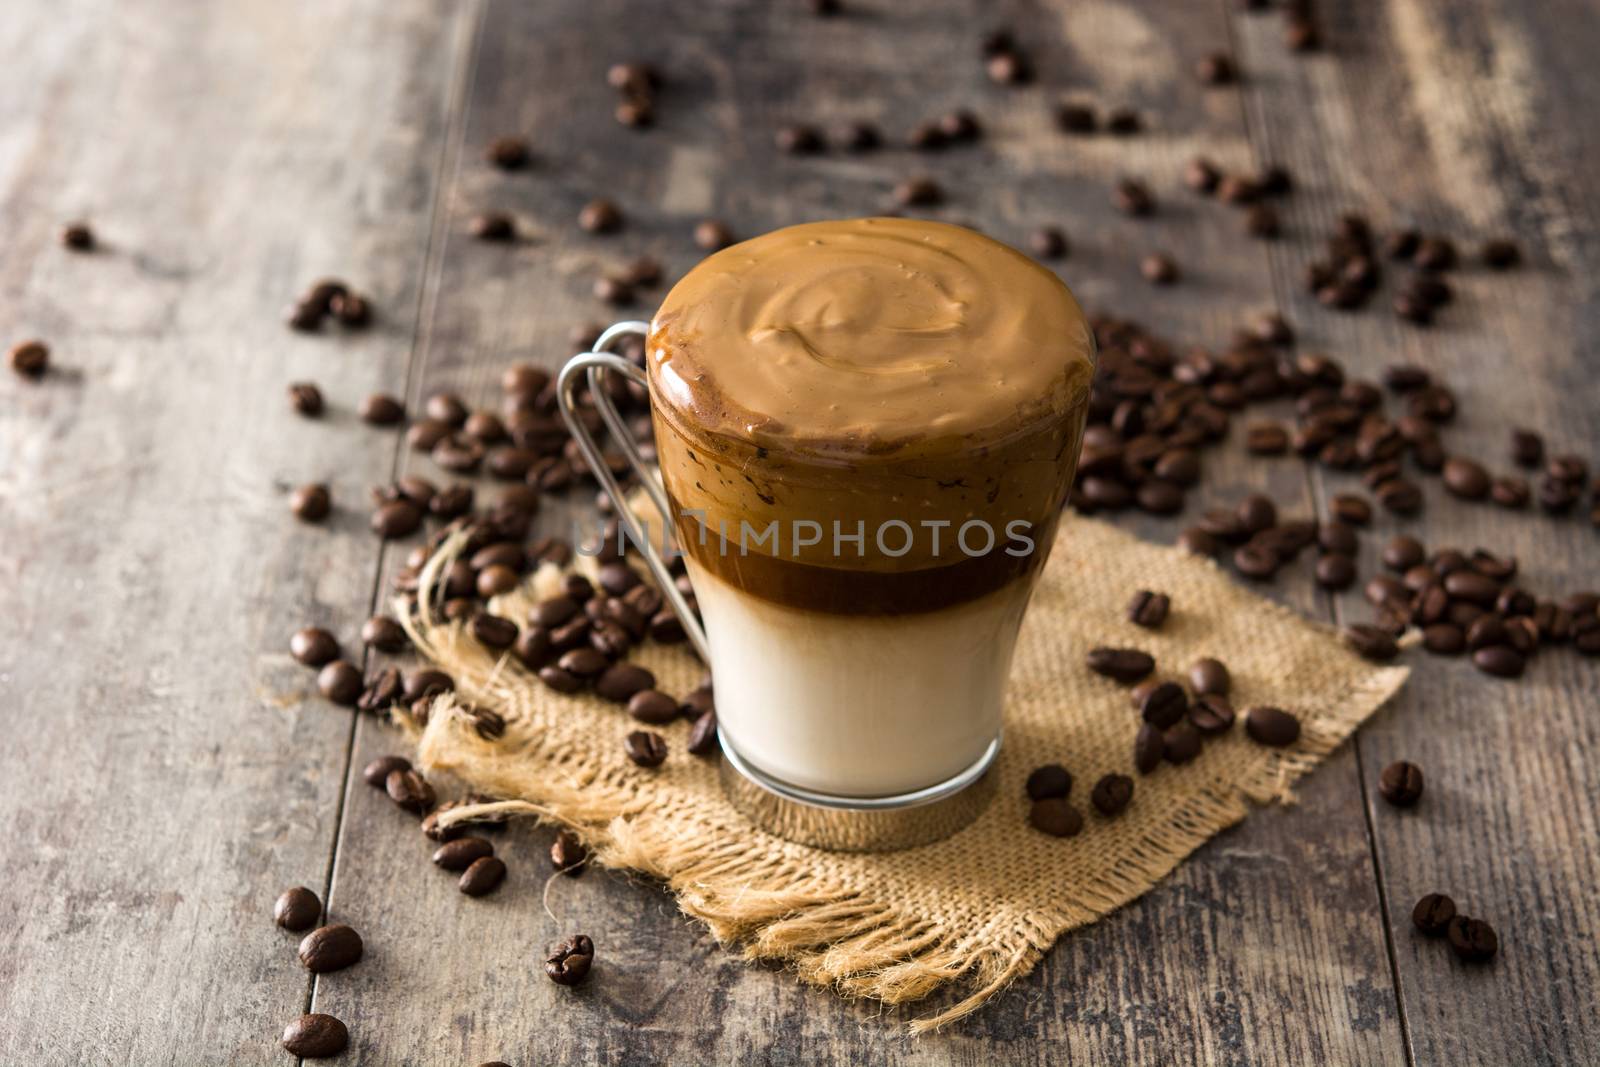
[[858, 824]]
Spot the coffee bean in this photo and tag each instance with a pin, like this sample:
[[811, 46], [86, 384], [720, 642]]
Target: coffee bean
[[1433, 913], [600, 216], [1123, 121], [340, 682], [1201, 175], [29, 359], [376, 773], [1148, 748], [1472, 587], [1076, 118], [313, 646], [1487, 630], [77, 236], [1371, 642], [396, 519], [1211, 714], [1400, 496], [703, 740], [1527, 448], [622, 681], [1149, 609], [1400, 783], [1216, 69], [1048, 242], [857, 137], [1164, 704], [1008, 68], [1347, 507], [584, 663], [1443, 639], [507, 153], [1050, 780], [1266, 439], [492, 631], [483, 876], [645, 748], [1502, 661], [1125, 665], [1271, 726], [1261, 220], [409, 790], [1159, 498], [1402, 552], [560, 679], [311, 503], [1510, 492], [1237, 189], [427, 683], [1054, 816], [461, 853], [316, 1036], [569, 962], [297, 909], [918, 192], [492, 226], [1133, 198], [1111, 794], [636, 113], [1159, 268], [1255, 513], [1472, 940], [618, 578], [330, 948], [926, 136], [1500, 254], [1198, 542], [1466, 478], [1181, 743], [1335, 570], [306, 399], [1255, 561], [567, 854], [1301, 33]]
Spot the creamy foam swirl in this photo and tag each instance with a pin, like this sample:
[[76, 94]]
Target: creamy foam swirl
[[869, 336]]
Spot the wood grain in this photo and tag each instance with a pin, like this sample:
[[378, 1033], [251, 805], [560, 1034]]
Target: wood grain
[[1439, 119], [164, 775], [1281, 910]]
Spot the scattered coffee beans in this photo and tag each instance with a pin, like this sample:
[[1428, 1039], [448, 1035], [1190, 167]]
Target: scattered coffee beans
[[1111, 794], [1054, 816], [483, 876], [316, 1036], [1149, 609], [1050, 780], [1125, 665], [646, 748], [330, 948], [1400, 783], [569, 962], [297, 909], [1270, 726]]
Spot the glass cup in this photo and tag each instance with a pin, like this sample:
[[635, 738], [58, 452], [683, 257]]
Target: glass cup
[[860, 607]]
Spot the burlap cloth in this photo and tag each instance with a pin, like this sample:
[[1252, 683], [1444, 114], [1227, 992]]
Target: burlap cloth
[[984, 905]]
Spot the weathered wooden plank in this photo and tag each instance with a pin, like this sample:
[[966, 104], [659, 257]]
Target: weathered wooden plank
[[1441, 118], [163, 777], [1266, 947]]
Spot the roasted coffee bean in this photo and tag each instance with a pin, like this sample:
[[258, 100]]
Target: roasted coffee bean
[[1466, 478], [29, 359], [1336, 535], [585, 663], [382, 692], [427, 683], [1123, 121], [1216, 69], [1371, 642], [1255, 513], [600, 216], [306, 399], [461, 853], [302, 316], [316, 1036], [494, 580], [1266, 439], [396, 519], [1261, 220], [652, 706], [554, 611], [297, 909], [1238, 190], [1198, 542], [1164, 704], [1159, 268], [1434, 253], [1148, 748], [857, 137], [569, 962], [798, 139], [1486, 630], [1443, 639], [376, 773], [1433, 913], [636, 113], [507, 153], [1149, 609], [1076, 118], [1050, 780], [384, 634], [409, 790], [1256, 561], [645, 748], [77, 236], [1111, 794], [1159, 498], [311, 503], [1211, 714], [1403, 552], [1472, 587], [1527, 448], [1201, 175], [618, 578], [492, 226], [1209, 676], [1125, 665], [567, 854], [1180, 466], [340, 682], [1400, 783], [330, 948], [1054, 816], [703, 740], [1472, 940], [622, 681], [1008, 68], [1181, 743], [1502, 661], [925, 136], [1048, 242], [1510, 492], [492, 631], [918, 192], [1347, 507], [483, 876], [313, 646], [574, 634], [1271, 726], [1133, 198], [1500, 254], [1335, 570], [1400, 496], [447, 408]]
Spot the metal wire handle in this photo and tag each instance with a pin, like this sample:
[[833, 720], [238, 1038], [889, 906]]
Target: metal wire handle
[[592, 367]]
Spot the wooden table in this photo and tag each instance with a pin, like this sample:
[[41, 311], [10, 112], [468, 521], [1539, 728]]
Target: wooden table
[[166, 769]]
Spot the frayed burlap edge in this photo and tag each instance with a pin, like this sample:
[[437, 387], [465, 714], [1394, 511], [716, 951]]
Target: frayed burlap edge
[[768, 897]]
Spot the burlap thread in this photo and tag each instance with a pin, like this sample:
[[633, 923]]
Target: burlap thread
[[982, 907]]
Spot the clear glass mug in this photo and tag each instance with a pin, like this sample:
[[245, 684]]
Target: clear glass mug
[[858, 681]]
